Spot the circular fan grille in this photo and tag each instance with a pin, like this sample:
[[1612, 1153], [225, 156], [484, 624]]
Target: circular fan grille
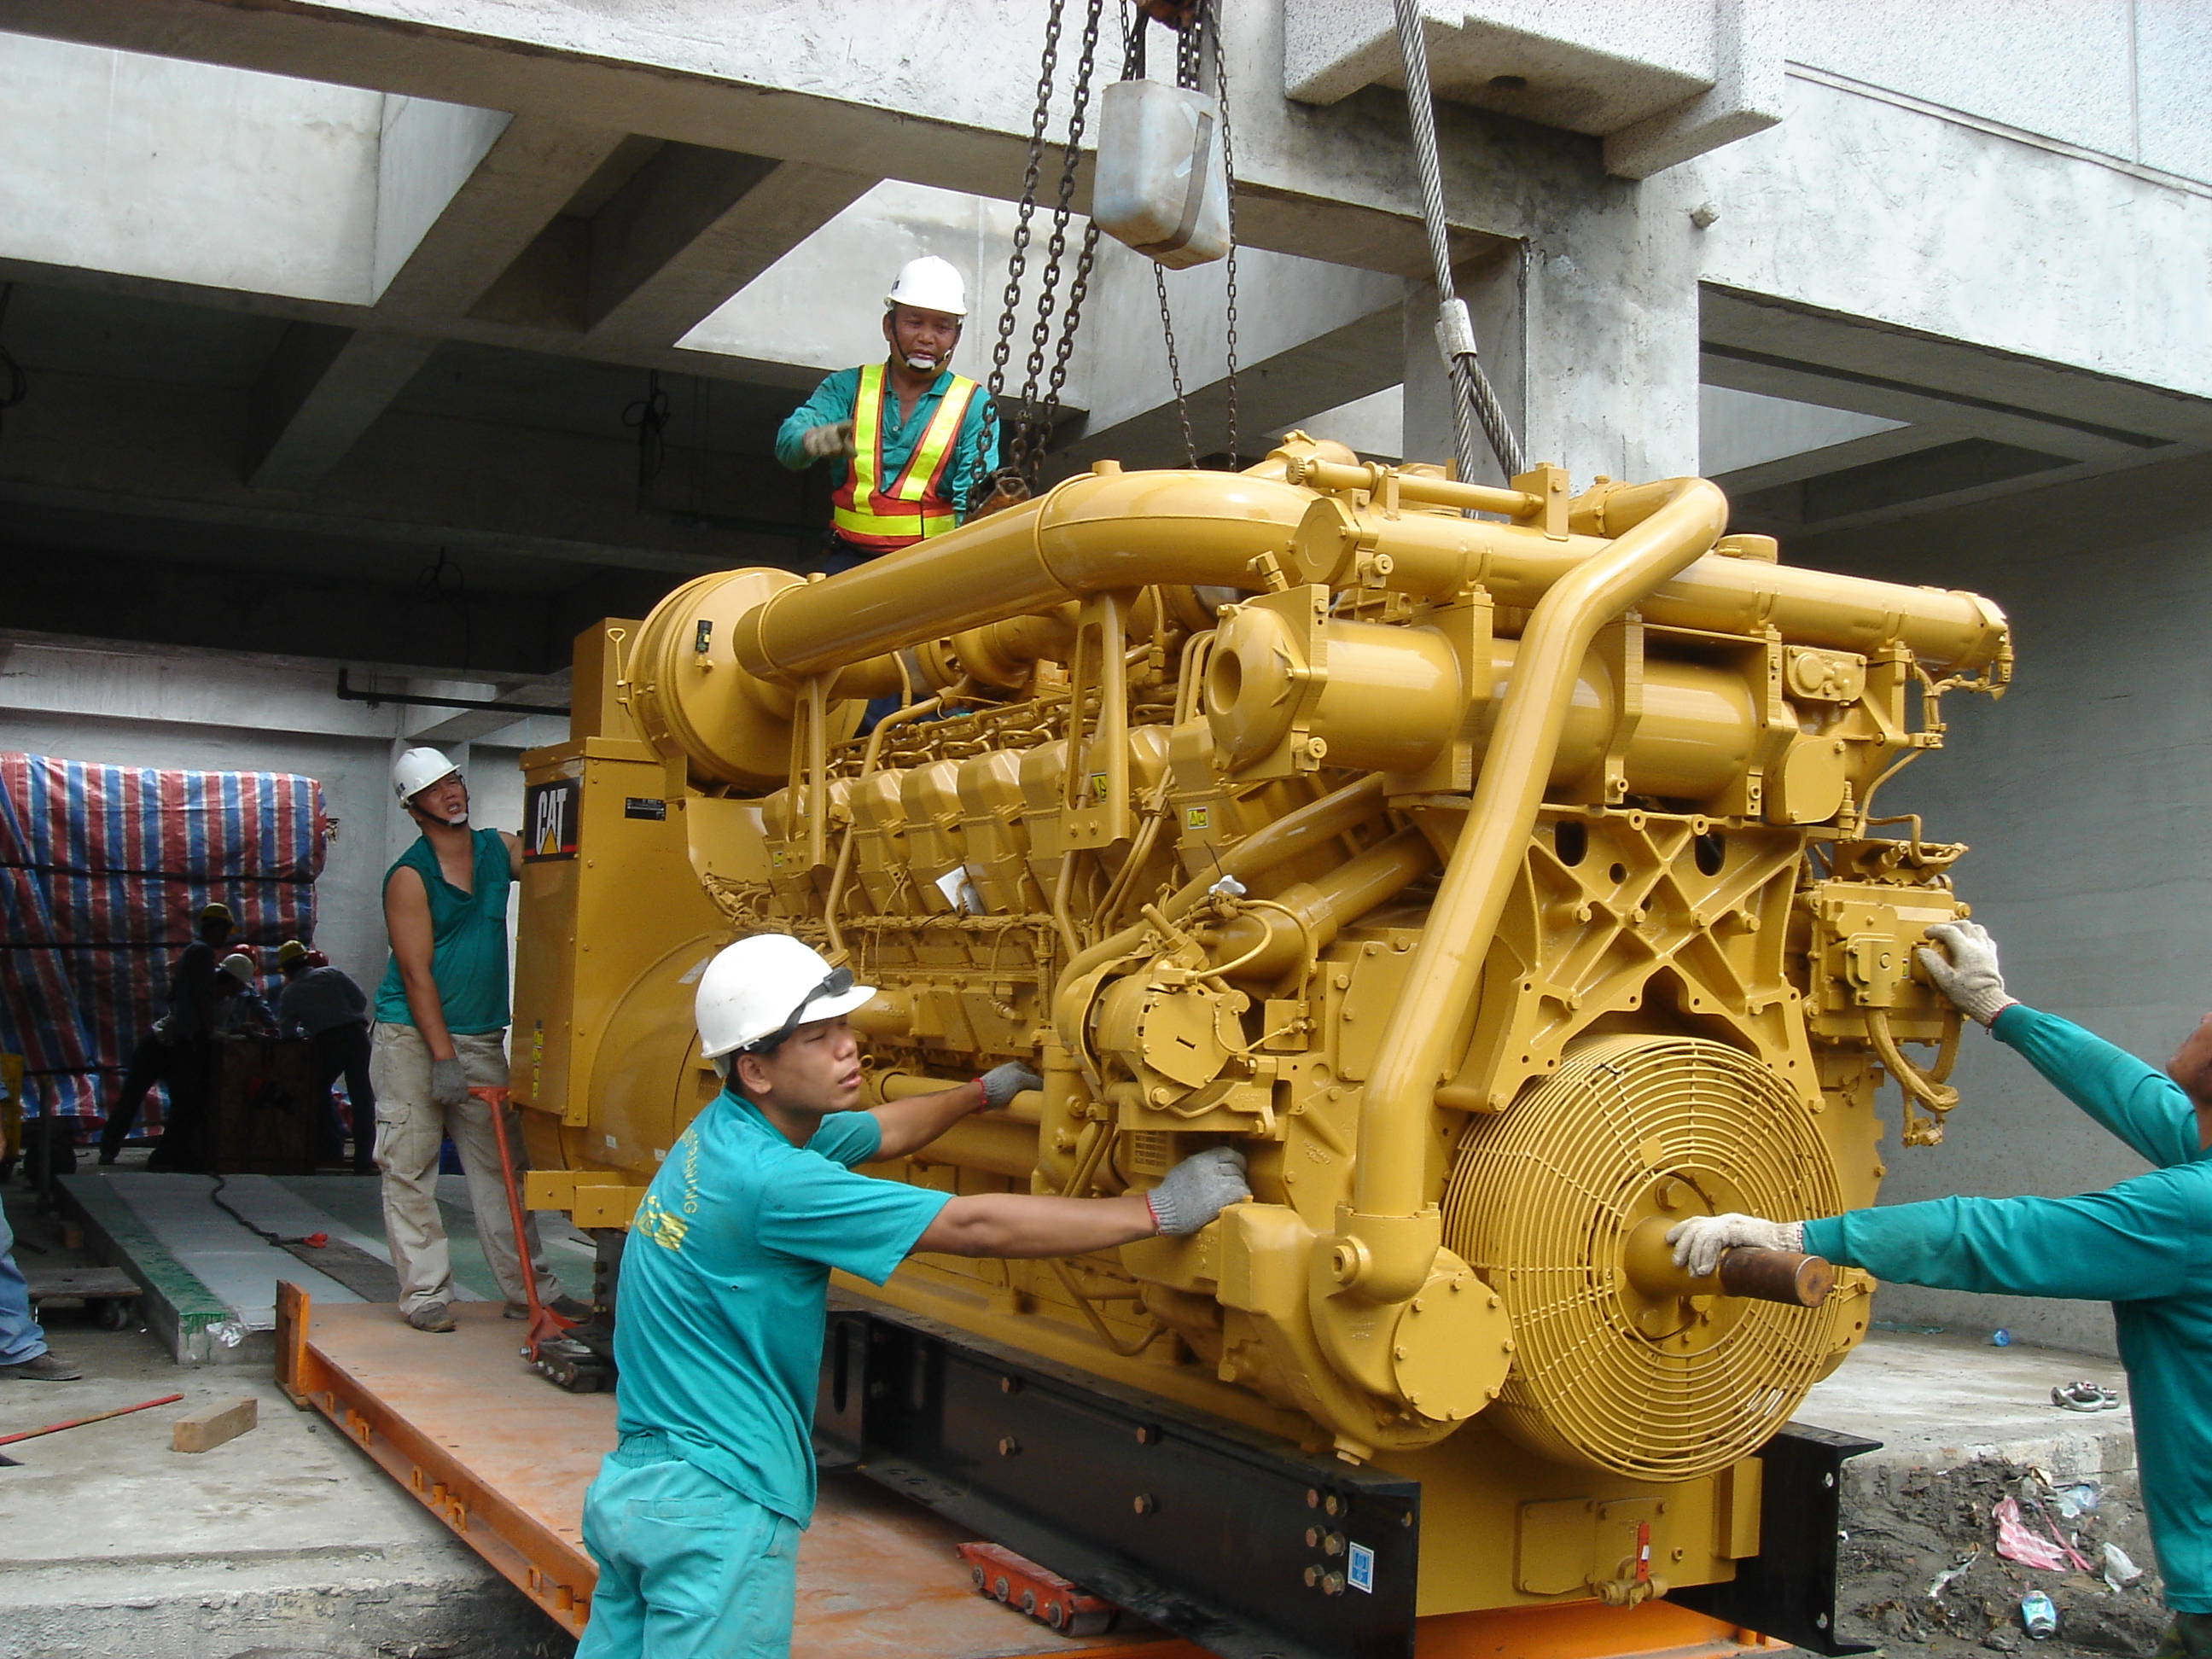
[[1639, 1131]]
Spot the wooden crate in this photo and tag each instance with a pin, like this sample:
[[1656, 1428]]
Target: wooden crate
[[265, 1113]]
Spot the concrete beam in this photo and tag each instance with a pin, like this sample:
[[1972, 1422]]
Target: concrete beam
[[322, 388], [865, 78], [426, 151], [693, 228], [666, 250], [519, 182]]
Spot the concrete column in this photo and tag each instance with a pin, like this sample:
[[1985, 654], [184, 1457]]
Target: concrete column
[[1590, 337]]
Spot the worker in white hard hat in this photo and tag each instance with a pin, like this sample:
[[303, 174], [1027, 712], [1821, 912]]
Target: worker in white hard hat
[[908, 441], [695, 1516], [441, 1016]]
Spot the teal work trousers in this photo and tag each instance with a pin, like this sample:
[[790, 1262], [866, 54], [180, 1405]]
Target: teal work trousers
[[688, 1568]]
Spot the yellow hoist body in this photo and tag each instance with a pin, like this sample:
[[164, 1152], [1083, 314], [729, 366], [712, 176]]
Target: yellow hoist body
[[1503, 885]]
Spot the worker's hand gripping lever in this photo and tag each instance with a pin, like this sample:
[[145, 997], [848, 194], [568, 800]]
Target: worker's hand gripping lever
[[1758, 1268]]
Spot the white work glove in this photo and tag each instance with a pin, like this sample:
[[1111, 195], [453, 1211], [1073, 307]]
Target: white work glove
[[832, 442], [1198, 1190], [1700, 1241], [1002, 1083], [449, 1084], [1969, 977]]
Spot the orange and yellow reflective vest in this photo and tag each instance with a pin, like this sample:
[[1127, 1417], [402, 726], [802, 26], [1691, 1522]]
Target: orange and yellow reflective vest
[[911, 508]]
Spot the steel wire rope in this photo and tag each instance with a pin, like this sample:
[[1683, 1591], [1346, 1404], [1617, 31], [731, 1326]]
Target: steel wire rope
[[1474, 398]]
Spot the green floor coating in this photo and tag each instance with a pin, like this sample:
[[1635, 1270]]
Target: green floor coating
[[195, 1308], [356, 1201]]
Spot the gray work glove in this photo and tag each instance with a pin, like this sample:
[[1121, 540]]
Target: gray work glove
[[1198, 1190], [449, 1084], [832, 442], [1700, 1241], [1969, 977], [1002, 1083]]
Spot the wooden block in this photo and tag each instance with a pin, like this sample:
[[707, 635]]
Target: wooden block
[[209, 1426]]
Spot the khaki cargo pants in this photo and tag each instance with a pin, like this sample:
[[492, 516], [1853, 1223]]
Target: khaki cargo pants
[[409, 1128]]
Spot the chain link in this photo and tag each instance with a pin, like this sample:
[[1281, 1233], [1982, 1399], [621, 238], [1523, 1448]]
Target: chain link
[[1038, 412], [1018, 262], [1228, 176], [1175, 365]]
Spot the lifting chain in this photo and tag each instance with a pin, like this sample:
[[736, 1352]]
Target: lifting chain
[[1016, 477], [1197, 29]]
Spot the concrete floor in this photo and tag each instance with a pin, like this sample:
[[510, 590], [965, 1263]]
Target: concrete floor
[[285, 1539], [1934, 1399]]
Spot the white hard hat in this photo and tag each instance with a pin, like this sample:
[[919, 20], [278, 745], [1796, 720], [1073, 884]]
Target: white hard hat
[[417, 770], [239, 966], [769, 986], [930, 283]]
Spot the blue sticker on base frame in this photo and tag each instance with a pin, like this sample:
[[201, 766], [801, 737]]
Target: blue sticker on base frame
[[1359, 1569]]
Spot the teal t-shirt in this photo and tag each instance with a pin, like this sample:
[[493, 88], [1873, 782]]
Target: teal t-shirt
[[2145, 1246], [725, 1284], [468, 940]]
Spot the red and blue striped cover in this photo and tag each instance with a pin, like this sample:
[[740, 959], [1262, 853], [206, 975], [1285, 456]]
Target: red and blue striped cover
[[102, 869]]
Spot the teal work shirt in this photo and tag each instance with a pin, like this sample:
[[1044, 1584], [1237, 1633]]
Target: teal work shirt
[[724, 1285], [468, 940], [2145, 1245], [972, 458]]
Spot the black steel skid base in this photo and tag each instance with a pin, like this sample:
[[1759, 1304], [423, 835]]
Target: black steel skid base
[[1212, 1532], [1190, 1522]]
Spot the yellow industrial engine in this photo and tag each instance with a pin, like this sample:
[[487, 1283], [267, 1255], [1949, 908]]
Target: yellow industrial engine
[[1493, 866]]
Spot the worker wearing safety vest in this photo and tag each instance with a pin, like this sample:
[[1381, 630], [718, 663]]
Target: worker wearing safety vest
[[909, 441]]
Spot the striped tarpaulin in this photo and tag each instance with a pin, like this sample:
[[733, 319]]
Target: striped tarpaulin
[[102, 869]]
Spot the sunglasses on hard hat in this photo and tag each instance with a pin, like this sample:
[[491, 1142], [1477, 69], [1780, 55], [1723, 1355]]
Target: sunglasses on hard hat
[[839, 982]]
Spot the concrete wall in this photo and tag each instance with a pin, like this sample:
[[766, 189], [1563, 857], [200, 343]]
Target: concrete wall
[[141, 707], [2086, 794], [2125, 78]]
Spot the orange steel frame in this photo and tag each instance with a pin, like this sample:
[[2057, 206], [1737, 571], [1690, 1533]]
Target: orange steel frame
[[558, 1575], [552, 1572]]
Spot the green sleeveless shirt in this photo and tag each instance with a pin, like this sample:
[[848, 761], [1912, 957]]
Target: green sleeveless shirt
[[468, 940]]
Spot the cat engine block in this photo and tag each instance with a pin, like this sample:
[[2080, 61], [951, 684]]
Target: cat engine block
[[1497, 867]]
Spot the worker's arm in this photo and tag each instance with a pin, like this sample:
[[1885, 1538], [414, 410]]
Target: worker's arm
[[2139, 1103], [2148, 1111], [832, 402], [407, 919], [513, 844], [2144, 1238], [908, 1125], [1016, 1225], [288, 1011]]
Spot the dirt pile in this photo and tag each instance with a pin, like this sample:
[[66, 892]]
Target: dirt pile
[[1922, 1570]]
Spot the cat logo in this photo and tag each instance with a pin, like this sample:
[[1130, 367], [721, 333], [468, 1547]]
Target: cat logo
[[548, 820]]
